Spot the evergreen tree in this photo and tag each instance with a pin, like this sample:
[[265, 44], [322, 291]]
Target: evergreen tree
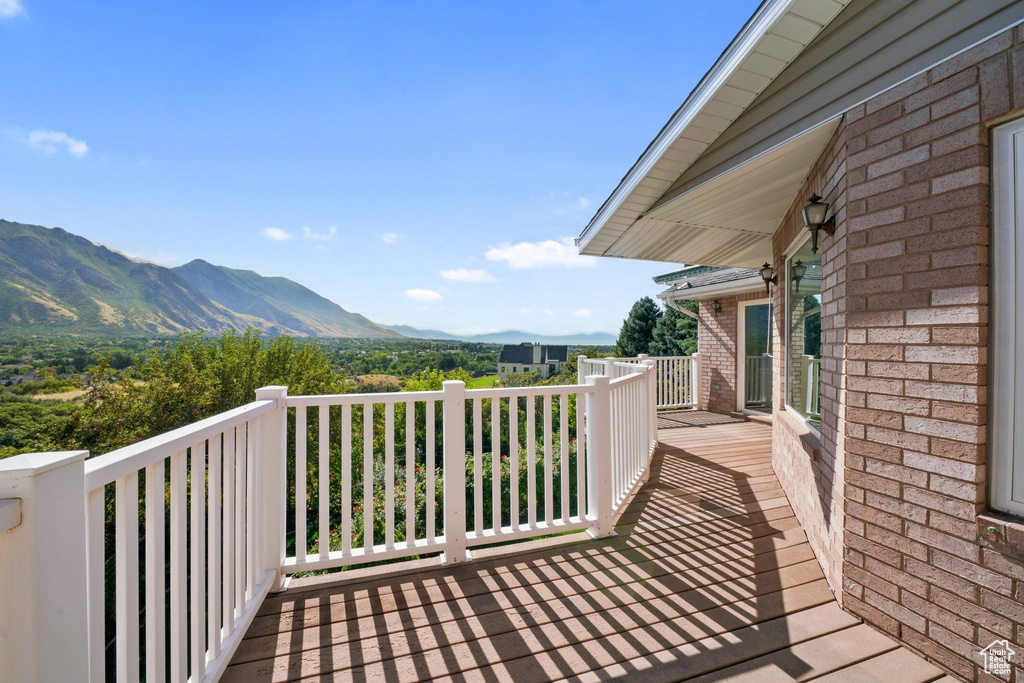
[[638, 328], [676, 333]]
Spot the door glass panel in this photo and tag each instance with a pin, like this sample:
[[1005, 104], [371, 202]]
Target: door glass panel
[[758, 369]]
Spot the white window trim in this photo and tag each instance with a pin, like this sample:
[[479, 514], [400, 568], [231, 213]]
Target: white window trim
[[800, 241], [1006, 363], [741, 355]]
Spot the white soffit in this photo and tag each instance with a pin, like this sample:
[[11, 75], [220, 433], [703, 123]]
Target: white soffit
[[767, 44]]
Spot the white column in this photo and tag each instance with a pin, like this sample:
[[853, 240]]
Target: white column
[[43, 582], [652, 401], [274, 432], [454, 472], [696, 381], [599, 460], [581, 362]]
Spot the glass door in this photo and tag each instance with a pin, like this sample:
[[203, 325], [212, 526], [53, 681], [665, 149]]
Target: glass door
[[757, 362]]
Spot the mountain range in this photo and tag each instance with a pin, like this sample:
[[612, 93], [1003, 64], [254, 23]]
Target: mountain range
[[509, 336], [52, 281]]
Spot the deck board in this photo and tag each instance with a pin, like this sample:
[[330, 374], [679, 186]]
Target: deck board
[[709, 575]]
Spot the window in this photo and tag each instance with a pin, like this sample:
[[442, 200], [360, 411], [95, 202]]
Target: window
[[803, 334], [1006, 368]]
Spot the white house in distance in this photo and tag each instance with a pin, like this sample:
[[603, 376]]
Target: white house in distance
[[527, 357]]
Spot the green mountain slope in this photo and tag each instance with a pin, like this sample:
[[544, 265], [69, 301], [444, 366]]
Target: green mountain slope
[[52, 281], [280, 301]]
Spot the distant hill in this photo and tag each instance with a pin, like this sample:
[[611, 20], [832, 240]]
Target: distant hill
[[52, 281], [289, 306], [510, 337]]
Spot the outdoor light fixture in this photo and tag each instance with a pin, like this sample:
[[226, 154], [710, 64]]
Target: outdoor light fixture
[[799, 269], [814, 219], [768, 275], [716, 306]]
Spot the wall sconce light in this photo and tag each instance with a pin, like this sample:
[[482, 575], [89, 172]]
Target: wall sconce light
[[799, 269], [814, 219], [768, 275], [716, 306]]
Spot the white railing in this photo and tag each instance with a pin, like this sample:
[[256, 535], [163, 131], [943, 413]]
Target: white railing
[[678, 377], [758, 380], [216, 535]]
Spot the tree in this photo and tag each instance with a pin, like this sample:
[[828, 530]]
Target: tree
[[675, 334], [638, 328]]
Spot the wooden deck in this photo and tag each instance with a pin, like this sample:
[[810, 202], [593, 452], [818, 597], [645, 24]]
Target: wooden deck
[[709, 578]]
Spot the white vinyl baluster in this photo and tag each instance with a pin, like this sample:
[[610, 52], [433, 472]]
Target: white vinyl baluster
[[531, 460], [179, 568], [410, 473], [301, 470], [155, 594], [496, 464], [228, 610], [197, 572], [431, 505], [549, 464], [478, 456], [563, 447], [368, 476], [513, 461], [581, 451], [126, 589], [213, 608], [389, 475], [324, 485], [251, 511], [347, 485], [242, 519]]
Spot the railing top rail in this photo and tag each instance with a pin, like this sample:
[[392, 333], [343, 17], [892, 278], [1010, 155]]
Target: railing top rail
[[518, 392], [626, 379], [104, 469], [359, 399]]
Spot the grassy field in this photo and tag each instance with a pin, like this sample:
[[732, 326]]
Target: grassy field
[[483, 382]]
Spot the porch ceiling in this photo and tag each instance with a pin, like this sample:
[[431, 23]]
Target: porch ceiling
[[728, 220]]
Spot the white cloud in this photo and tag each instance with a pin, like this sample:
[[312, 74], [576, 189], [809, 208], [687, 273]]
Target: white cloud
[[390, 237], [10, 8], [582, 313], [50, 141], [276, 234], [584, 203], [541, 254], [322, 236], [548, 312], [467, 275], [526, 311], [423, 295]]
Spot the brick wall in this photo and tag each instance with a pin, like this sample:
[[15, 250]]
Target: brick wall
[[893, 492], [718, 345], [810, 465], [917, 294]]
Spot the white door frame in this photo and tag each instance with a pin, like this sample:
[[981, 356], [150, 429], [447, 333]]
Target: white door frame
[[741, 354]]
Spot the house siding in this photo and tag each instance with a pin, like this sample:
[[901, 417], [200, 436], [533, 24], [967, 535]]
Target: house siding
[[892, 492]]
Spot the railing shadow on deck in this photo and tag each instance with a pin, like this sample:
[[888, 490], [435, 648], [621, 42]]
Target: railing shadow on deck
[[556, 612]]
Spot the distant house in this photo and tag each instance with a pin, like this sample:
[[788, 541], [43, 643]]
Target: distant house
[[527, 357]]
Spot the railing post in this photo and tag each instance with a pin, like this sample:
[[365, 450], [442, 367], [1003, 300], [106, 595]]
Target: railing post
[[599, 457], [608, 367], [652, 404], [273, 436], [454, 472], [696, 381], [581, 362], [43, 581]]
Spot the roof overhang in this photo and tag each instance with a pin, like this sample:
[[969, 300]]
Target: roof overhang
[[745, 286], [717, 222]]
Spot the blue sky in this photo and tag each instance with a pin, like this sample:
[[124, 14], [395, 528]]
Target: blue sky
[[422, 163]]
